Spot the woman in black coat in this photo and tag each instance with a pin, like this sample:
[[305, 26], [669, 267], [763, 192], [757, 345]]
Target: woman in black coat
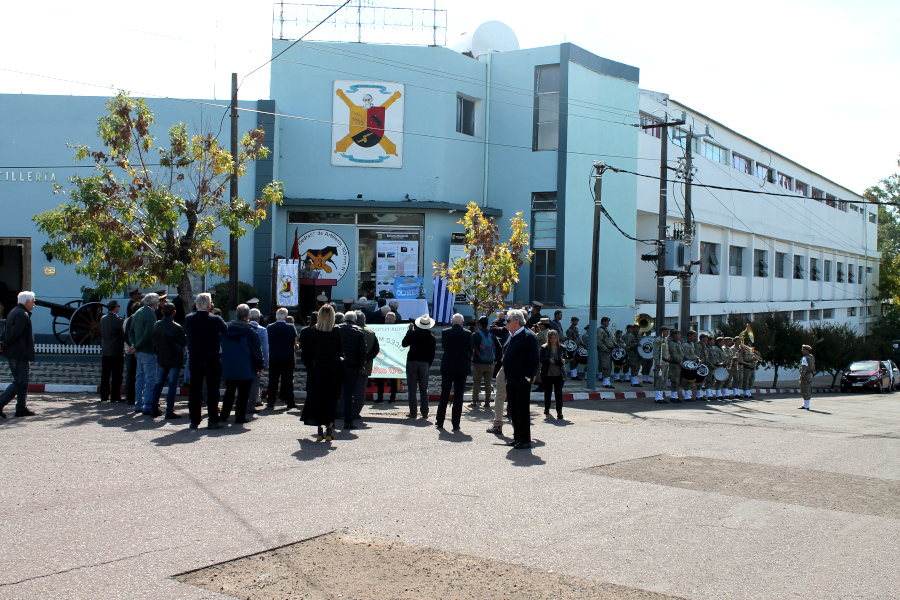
[[324, 353], [553, 359]]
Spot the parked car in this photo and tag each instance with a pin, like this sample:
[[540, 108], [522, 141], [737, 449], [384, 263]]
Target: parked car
[[892, 368], [869, 375]]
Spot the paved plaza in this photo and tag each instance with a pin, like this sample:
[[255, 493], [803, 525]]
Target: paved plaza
[[742, 500]]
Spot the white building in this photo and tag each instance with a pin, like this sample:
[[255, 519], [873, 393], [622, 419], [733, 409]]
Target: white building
[[811, 255]]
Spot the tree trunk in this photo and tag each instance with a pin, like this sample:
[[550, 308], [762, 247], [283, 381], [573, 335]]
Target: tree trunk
[[775, 383], [186, 293]]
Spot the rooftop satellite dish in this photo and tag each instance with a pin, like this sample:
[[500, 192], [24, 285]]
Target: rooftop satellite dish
[[492, 36]]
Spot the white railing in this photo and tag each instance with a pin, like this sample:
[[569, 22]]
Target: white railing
[[66, 349]]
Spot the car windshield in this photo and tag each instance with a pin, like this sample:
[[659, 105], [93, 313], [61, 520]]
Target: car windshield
[[865, 365]]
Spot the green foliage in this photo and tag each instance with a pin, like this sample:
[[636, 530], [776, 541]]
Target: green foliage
[[130, 223], [488, 270], [835, 346], [887, 193], [223, 295]]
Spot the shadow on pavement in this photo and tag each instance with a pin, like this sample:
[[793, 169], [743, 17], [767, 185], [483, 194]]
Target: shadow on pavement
[[310, 449], [453, 436]]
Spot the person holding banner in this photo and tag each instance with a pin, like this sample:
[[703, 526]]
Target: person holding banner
[[324, 353]]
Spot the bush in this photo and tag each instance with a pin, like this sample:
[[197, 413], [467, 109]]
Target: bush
[[245, 292]]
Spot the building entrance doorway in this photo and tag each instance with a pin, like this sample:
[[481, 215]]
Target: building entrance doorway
[[15, 271]]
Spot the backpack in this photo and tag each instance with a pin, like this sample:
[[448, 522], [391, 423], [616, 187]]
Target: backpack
[[484, 351]]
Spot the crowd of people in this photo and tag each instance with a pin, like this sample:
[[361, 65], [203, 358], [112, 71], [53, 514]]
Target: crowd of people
[[504, 357]]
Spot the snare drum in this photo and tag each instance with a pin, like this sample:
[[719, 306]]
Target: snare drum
[[582, 356], [702, 372], [689, 371], [618, 357]]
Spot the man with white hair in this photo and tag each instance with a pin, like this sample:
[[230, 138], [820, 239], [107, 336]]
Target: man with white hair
[[255, 397], [353, 341], [520, 362], [456, 365], [394, 305], [204, 333], [18, 348], [282, 338], [140, 336]]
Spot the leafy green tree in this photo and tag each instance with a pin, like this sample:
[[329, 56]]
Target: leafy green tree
[[887, 193], [223, 293], [488, 270], [131, 222], [835, 346]]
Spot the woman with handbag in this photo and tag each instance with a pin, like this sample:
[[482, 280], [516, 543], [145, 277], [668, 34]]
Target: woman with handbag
[[553, 359]]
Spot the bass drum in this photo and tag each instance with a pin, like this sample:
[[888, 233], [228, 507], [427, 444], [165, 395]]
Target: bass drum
[[702, 372], [581, 359], [689, 371], [618, 357], [645, 349], [721, 373], [570, 346]]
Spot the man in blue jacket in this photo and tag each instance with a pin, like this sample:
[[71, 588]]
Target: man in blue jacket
[[18, 348], [242, 362], [204, 333], [520, 362]]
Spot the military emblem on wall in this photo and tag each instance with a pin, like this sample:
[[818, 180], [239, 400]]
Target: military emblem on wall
[[327, 251], [367, 128]]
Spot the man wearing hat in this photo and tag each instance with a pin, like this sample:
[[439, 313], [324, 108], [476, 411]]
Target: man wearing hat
[[536, 315], [807, 370], [422, 345], [348, 304], [306, 271], [605, 345], [134, 303], [572, 334], [676, 357], [322, 299], [661, 358], [729, 366]]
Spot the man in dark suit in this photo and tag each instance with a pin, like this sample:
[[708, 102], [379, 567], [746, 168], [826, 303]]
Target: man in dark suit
[[204, 332], [112, 349], [282, 339], [520, 361], [456, 365], [18, 348]]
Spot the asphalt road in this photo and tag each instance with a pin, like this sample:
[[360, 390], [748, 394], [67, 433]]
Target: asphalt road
[[752, 499]]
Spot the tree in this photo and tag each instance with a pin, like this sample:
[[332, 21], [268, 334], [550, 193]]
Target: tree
[[488, 270], [835, 347], [887, 194], [130, 224]]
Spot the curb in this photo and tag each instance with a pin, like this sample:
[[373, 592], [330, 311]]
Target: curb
[[50, 388]]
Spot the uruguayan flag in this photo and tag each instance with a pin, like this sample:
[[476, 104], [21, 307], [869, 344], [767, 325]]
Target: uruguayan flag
[[443, 301]]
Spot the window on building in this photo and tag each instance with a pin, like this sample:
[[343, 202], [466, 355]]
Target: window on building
[[465, 115], [735, 260], [741, 163], [779, 264], [760, 263], [861, 280], [815, 315], [827, 313], [716, 322], [851, 311], [839, 277], [801, 188], [765, 173], [870, 310], [785, 181], [798, 266], [868, 269], [872, 218], [715, 153], [543, 241], [826, 271], [842, 205], [850, 274], [546, 127], [648, 120], [831, 200], [814, 273], [671, 322], [709, 258], [799, 315], [817, 194]]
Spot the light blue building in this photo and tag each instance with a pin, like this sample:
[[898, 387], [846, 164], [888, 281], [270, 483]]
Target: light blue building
[[380, 149]]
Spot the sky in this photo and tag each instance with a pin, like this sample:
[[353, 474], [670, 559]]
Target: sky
[[814, 80]]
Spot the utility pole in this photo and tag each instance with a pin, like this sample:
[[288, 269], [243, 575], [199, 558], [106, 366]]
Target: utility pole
[[685, 304], [591, 375], [232, 240], [663, 210]]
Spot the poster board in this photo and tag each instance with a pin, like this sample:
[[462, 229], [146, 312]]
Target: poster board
[[397, 255], [457, 250]]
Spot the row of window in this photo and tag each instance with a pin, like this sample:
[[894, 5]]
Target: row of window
[[714, 322], [719, 154], [709, 265]]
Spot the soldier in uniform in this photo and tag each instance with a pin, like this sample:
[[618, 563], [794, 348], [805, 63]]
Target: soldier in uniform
[[646, 363], [676, 357], [617, 370], [661, 358], [737, 369], [605, 345], [729, 365], [632, 358], [689, 349], [749, 361], [807, 370], [717, 359], [306, 271], [572, 334]]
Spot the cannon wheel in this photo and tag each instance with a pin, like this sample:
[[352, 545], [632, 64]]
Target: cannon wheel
[[84, 326], [61, 324]]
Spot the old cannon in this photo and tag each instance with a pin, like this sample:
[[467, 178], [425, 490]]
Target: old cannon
[[76, 322]]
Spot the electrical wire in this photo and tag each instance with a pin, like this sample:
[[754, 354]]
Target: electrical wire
[[609, 217]]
